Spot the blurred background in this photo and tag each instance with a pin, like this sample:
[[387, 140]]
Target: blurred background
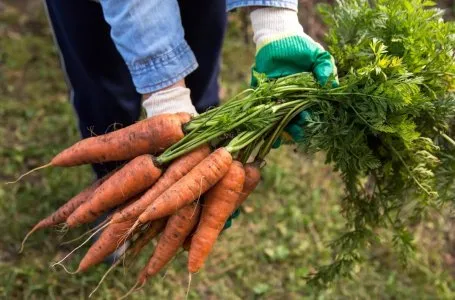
[[281, 236]]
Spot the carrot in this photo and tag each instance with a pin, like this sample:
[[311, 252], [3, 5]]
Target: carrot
[[135, 177], [109, 240], [219, 203], [151, 232], [151, 135], [177, 229], [174, 172], [60, 215], [190, 187], [252, 179]]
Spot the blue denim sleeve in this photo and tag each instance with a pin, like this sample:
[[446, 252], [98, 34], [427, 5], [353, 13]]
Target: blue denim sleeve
[[291, 4], [150, 37]]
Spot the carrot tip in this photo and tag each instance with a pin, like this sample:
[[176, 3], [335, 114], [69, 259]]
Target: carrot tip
[[29, 172], [35, 228]]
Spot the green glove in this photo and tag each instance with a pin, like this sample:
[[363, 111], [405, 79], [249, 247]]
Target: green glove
[[282, 49], [234, 215]]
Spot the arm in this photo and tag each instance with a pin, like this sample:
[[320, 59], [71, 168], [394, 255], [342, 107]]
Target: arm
[[150, 37], [282, 47]]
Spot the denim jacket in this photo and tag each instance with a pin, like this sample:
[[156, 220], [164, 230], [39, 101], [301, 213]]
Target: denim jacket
[[154, 49]]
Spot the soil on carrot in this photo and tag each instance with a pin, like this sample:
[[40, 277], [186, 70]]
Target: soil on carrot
[[280, 236]]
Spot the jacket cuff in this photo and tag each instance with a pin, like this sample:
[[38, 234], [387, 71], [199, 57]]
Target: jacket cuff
[[158, 72], [233, 4]]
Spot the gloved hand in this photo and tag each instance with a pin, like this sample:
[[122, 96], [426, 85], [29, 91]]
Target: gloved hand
[[282, 49], [171, 100]]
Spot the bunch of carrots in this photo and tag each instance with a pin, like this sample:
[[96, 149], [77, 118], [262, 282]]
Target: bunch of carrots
[[389, 122], [185, 201]]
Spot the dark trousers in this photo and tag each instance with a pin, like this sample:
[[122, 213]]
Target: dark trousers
[[102, 91]]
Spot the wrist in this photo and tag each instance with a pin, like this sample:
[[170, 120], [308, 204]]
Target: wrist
[[271, 23], [180, 83], [173, 99]]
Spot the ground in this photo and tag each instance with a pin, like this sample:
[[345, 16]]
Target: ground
[[281, 235]]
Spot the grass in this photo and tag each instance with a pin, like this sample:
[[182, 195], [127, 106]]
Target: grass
[[281, 235]]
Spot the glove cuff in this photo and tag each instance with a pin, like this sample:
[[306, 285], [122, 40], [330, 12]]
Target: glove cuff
[[271, 23], [171, 100]]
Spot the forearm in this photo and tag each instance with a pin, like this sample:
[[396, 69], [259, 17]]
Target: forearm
[[149, 36]]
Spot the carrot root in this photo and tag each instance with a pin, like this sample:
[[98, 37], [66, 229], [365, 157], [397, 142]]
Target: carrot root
[[85, 233], [62, 228], [132, 290], [104, 276], [189, 285], [34, 229], [64, 268], [132, 229], [80, 246], [29, 172]]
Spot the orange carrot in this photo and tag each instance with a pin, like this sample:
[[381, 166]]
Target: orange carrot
[[173, 173], [135, 177], [190, 187], [109, 240], [60, 215], [145, 237], [151, 135], [252, 179], [219, 203], [177, 229]]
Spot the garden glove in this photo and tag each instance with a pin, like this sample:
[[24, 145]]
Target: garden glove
[[282, 49]]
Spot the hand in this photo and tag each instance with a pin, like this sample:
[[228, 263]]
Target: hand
[[282, 49], [173, 99]]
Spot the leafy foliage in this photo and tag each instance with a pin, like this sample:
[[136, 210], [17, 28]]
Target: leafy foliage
[[386, 128], [396, 62]]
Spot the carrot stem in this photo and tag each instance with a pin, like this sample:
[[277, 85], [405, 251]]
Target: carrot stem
[[445, 136], [267, 146], [184, 146]]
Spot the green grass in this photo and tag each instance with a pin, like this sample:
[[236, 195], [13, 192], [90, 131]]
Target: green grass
[[281, 236]]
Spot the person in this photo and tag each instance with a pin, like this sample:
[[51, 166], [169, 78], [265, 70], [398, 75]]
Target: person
[[164, 55]]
